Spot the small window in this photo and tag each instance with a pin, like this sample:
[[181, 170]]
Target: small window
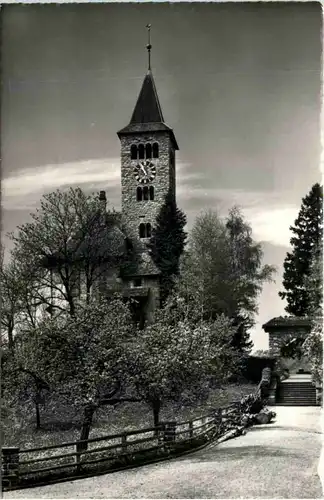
[[142, 230], [155, 150], [139, 194], [145, 230], [133, 152], [151, 193], [138, 282], [145, 193], [148, 151], [141, 152]]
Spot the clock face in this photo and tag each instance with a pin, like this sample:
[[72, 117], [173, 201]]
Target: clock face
[[145, 172]]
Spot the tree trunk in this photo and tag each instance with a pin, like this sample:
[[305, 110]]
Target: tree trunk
[[10, 337], [38, 423], [156, 407], [86, 424]]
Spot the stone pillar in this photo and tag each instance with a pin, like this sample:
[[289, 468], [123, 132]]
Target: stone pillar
[[319, 394], [10, 466], [272, 392]]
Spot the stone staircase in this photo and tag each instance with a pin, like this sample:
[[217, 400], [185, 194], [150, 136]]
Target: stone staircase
[[296, 392]]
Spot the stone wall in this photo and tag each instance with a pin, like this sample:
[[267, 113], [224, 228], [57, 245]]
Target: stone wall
[[134, 212], [279, 337]]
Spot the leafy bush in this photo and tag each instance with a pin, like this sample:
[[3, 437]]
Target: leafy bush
[[252, 367]]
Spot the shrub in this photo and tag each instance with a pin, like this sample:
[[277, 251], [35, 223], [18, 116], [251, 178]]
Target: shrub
[[253, 366]]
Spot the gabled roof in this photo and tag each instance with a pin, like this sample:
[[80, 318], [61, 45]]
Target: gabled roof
[[147, 115], [147, 109], [281, 322]]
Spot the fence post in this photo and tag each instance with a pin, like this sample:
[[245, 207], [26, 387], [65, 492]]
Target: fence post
[[169, 432], [124, 442], [218, 419], [190, 430], [80, 447], [160, 433], [10, 466]]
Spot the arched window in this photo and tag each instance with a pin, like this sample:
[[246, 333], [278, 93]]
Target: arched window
[[133, 152], [142, 230], [139, 194], [145, 193], [141, 152], [155, 150], [148, 148], [151, 193], [145, 230]]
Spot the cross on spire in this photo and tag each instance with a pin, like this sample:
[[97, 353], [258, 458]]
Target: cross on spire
[[149, 46]]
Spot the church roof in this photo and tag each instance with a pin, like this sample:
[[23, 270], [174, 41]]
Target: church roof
[[147, 109], [147, 115]]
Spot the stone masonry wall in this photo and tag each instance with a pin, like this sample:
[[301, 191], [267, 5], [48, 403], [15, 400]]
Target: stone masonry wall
[[278, 338], [134, 212]]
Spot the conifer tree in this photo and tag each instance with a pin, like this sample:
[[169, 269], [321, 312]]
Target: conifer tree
[[307, 240], [168, 242]]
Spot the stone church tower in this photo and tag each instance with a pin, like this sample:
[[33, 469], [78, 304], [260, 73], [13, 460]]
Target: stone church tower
[[148, 173]]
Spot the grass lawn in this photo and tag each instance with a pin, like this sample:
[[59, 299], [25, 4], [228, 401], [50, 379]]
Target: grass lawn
[[60, 424]]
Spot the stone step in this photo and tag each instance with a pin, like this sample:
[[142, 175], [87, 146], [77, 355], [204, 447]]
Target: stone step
[[297, 404], [293, 393], [296, 399], [306, 385]]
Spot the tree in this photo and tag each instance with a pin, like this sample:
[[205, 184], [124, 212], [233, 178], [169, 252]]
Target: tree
[[312, 348], [10, 300], [222, 272], [71, 241], [17, 304], [167, 243], [308, 234], [174, 359], [81, 358], [248, 274]]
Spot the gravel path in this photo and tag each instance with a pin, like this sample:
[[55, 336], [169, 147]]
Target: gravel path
[[279, 460]]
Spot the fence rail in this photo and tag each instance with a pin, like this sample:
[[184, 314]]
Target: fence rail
[[21, 467]]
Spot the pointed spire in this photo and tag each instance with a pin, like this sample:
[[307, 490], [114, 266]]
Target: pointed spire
[[147, 115], [147, 108], [149, 46]]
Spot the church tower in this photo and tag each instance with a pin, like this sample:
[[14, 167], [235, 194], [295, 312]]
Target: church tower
[[148, 149]]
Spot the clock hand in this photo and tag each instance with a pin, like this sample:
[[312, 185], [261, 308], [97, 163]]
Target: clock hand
[[143, 169]]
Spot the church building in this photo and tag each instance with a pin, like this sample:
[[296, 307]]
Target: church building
[[148, 174]]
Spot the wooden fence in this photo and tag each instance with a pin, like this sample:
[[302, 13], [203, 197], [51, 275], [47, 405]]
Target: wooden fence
[[27, 467]]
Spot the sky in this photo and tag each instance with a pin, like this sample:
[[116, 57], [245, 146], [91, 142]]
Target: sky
[[238, 83]]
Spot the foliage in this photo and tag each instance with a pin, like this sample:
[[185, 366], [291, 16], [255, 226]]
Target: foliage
[[313, 350], [175, 360], [254, 365], [313, 345], [307, 240], [168, 242], [81, 358], [10, 300], [222, 272], [71, 241]]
